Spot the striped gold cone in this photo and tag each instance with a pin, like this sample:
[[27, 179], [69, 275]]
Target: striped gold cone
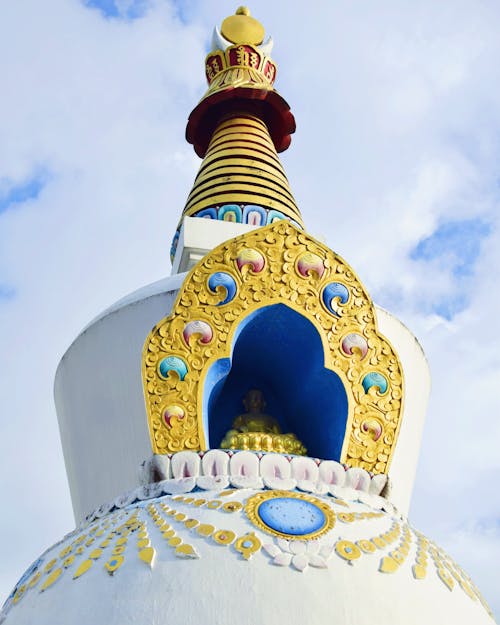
[[241, 166]]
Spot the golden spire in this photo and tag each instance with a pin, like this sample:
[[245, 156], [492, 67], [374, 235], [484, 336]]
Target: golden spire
[[238, 128], [241, 167]]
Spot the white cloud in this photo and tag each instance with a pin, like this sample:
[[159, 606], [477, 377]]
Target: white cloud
[[398, 111]]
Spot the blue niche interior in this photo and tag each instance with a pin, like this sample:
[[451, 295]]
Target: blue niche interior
[[279, 352]]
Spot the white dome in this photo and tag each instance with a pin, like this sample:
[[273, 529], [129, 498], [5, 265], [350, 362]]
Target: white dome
[[216, 557]]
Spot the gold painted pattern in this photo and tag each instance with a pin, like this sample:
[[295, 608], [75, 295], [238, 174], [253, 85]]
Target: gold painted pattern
[[177, 524], [350, 517], [272, 265], [396, 558], [247, 544]]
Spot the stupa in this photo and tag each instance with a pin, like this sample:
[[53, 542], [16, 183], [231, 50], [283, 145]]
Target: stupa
[[250, 458]]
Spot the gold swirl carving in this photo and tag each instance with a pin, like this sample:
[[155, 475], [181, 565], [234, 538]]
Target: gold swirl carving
[[288, 267]]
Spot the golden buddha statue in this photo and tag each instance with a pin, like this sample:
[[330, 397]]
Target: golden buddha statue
[[257, 431]]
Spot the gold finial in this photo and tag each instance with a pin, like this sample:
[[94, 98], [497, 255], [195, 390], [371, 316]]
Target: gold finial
[[243, 28]]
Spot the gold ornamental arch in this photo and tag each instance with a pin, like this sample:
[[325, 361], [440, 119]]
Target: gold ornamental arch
[[278, 264]]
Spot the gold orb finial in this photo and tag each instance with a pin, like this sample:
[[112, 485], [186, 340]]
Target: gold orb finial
[[243, 28]]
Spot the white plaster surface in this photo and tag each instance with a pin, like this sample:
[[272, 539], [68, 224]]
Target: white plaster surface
[[199, 236], [417, 382], [99, 398]]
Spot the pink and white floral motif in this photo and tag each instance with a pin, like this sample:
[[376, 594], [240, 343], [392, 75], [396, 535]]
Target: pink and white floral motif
[[353, 343], [299, 554], [309, 263], [201, 328], [249, 256]]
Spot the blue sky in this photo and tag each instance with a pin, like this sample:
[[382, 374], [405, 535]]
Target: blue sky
[[132, 9], [135, 9], [455, 244], [454, 247], [6, 292], [394, 164], [14, 194]]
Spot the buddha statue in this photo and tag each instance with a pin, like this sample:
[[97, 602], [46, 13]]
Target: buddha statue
[[254, 430]]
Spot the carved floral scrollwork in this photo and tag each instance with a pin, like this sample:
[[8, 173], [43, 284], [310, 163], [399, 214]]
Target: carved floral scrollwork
[[278, 264]]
